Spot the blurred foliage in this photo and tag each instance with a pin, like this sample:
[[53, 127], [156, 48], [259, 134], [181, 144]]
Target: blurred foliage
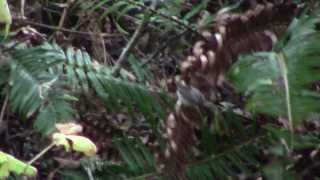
[[44, 83]]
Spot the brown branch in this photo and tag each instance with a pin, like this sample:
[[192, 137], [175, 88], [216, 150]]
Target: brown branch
[[165, 45], [81, 33], [64, 14], [22, 4], [4, 106], [173, 19], [129, 46]]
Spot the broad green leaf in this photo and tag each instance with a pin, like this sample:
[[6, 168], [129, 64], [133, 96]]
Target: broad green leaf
[[279, 83]]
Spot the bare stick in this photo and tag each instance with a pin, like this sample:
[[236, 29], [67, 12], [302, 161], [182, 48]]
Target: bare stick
[[165, 45], [23, 2], [81, 33], [129, 46], [173, 19], [3, 108], [64, 15]]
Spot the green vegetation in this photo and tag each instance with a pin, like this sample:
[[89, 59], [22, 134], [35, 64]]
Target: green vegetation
[[64, 69]]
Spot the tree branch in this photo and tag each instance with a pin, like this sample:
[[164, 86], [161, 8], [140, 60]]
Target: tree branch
[[129, 46]]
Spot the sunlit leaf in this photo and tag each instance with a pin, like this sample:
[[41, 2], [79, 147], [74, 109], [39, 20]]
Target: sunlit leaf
[[9, 164], [5, 16], [280, 80], [78, 143], [69, 128]]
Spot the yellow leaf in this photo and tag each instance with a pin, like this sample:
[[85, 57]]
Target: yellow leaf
[[69, 128], [4, 166], [83, 144], [20, 167], [5, 16], [4, 170], [60, 139], [9, 164], [79, 143]]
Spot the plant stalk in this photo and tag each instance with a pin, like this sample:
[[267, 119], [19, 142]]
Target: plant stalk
[[284, 73]]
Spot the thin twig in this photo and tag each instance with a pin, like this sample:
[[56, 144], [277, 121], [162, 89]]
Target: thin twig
[[173, 19], [22, 4], [129, 46], [284, 73], [45, 150], [165, 45], [64, 15], [101, 39], [145, 176], [41, 153], [89, 173], [53, 173], [81, 33], [4, 106]]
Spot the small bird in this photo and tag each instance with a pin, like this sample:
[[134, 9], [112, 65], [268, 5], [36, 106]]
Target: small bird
[[188, 95], [191, 96]]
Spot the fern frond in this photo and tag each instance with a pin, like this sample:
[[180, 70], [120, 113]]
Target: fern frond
[[38, 76], [241, 158], [29, 81], [143, 74], [138, 162], [247, 157], [82, 73], [34, 88], [136, 155], [54, 110], [300, 55]]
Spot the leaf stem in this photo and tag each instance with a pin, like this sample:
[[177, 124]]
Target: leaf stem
[[284, 72], [130, 45], [41, 153]]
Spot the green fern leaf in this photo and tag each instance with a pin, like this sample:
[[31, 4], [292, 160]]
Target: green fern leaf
[[35, 88], [282, 79]]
